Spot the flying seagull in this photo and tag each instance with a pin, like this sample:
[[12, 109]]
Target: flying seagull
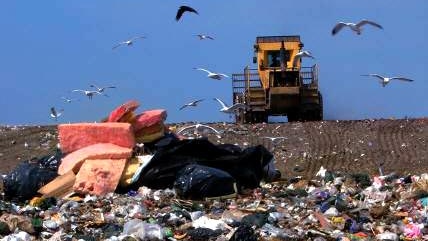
[[203, 36], [385, 80], [230, 109], [199, 128], [212, 75], [101, 89], [128, 42], [90, 93], [55, 114], [183, 9], [354, 27], [193, 103], [68, 100], [301, 54]]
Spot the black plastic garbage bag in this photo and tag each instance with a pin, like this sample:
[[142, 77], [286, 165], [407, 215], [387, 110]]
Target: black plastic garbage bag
[[197, 182], [23, 182], [244, 233], [245, 166]]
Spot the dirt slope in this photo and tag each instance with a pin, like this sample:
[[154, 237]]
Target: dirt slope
[[349, 146]]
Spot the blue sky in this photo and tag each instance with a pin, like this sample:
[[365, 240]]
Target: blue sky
[[51, 47]]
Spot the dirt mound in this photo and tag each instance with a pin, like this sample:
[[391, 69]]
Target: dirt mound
[[349, 146]]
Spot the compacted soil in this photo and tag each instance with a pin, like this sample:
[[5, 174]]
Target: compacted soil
[[360, 146]]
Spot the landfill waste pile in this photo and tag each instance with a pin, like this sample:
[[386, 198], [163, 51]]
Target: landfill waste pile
[[132, 178], [333, 206]]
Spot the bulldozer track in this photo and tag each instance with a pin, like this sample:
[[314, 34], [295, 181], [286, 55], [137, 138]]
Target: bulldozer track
[[361, 146]]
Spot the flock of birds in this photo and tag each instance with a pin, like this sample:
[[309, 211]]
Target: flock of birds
[[200, 128], [97, 90], [357, 28], [55, 114]]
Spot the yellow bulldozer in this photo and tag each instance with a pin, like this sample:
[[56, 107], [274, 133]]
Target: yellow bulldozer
[[279, 86]]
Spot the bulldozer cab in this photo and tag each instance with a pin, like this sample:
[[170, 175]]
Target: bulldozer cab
[[279, 85]]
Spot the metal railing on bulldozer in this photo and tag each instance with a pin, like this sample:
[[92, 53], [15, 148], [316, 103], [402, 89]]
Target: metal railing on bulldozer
[[242, 82]]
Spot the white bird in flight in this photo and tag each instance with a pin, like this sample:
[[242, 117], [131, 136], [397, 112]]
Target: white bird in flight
[[301, 54], [68, 100], [55, 114], [203, 37], [128, 42], [230, 109], [212, 75], [199, 128], [90, 93], [101, 89], [354, 27], [385, 80], [193, 103]]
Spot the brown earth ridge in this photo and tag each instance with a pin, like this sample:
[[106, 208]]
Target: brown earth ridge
[[357, 146]]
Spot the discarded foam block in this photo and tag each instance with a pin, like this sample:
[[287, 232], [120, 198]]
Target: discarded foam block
[[73, 137], [74, 160], [124, 113], [149, 118], [99, 176]]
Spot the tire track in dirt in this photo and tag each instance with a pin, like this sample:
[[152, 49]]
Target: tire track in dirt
[[391, 140], [346, 154], [412, 149], [322, 142], [386, 147], [403, 153]]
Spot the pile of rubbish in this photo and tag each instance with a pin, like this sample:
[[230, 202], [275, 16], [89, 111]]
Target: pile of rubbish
[[131, 178], [333, 206]]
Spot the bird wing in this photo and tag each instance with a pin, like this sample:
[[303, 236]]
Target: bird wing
[[223, 75], [99, 93], [211, 128], [79, 91], [197, 101], [94, 86], [185, 129], [338, 27], [205, 70], [238, 106], [210, 37], [402, 78], [118, 45], [365, 21], [138, 37], [183, 9], [308, 54], [374, 75], [184, 106], [221, 102], [53, 112]]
